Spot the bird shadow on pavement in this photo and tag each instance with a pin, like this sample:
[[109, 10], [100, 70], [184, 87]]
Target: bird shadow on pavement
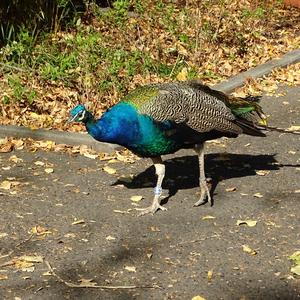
[[183, 172]]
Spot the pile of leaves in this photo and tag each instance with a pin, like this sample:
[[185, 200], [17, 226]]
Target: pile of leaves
[[8, 145], [106, 53]]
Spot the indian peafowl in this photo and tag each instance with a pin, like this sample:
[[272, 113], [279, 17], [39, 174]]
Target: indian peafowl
[[162, 118]]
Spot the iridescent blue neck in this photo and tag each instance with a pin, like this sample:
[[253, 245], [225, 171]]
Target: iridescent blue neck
[[118, 125], [89, 120]]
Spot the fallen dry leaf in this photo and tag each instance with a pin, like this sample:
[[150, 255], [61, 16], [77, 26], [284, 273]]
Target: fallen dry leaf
[[48, 273], [39, 163], [295, 257], [28, 269], [70, 235], [248, 250], [5, 185], [296, 270], [5, 148], [209, 275], [294, 128], [18, 144], [130, 268], [109, 170], [271, 223], [231, 189], [3, 234], [113, 161], [6, 168], [110, 238], [39, 230], [198, 298], [45, 144], [262, 172], [126, 156], [14, 182], [3, 141], [15, 159], [250, 223], [91, 156], [182, 75], [154, 229], [258, 195], [81, 221], [208, 217], [122, 211], [31, 258], [3, 277], [136, 198], [26, 262], [49, 170]]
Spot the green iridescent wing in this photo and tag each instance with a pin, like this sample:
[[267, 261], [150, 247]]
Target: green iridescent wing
[[141, 96]]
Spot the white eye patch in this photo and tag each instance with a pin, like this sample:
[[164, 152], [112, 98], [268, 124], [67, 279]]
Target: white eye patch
[[81, 117]]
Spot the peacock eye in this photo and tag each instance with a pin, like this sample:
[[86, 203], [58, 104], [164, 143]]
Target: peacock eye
[[81, 115]]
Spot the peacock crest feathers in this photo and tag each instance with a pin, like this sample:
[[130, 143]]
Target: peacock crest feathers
[[80, 114], [77, 109]]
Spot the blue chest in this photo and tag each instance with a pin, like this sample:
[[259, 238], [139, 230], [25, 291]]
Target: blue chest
[[123, 125]]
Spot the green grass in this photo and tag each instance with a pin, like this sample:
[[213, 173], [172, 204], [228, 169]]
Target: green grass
[[83, 57], [20, 91]]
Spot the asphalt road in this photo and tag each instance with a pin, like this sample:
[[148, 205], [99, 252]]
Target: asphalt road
[[88, 228]]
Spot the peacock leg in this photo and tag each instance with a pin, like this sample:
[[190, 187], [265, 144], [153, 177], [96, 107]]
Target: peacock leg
[[160, 172], [205, 193]]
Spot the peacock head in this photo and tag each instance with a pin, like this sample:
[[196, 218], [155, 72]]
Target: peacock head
[[78, 114]]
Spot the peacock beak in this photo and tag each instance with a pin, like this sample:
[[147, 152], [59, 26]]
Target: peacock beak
[[71, 119]]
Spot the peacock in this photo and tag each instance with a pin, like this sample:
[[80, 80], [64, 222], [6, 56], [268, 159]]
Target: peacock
[[161, 118]]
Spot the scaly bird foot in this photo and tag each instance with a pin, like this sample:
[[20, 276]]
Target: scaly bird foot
[[151, 209], [205, 193]]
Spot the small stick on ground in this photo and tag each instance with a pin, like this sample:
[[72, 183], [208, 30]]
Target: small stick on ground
[[25, 241], [110, 287], [198, 240], [18, 245], [6, 255]]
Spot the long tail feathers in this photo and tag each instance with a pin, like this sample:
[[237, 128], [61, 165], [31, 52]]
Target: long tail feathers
[[255, 129], [254, 122], [282, 130], [249, 127]]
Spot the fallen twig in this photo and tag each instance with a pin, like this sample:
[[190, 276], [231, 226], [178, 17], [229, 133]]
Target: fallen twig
[[16, 246], [110, 287], [25, 241], [8, 254], [8, 263], [198, 240]]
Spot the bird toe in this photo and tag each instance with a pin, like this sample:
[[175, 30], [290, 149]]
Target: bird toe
[[150, 210], [200, 202]]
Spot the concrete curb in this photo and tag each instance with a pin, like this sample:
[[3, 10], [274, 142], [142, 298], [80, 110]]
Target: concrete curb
[[259, 71], [71, 138], [59, 137]]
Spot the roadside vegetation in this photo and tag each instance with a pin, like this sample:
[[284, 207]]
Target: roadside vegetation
[[93, 54]]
